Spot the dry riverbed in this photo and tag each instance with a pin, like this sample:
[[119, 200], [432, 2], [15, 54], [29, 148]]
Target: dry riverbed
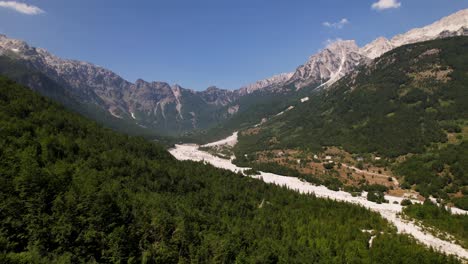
[[390, 211]]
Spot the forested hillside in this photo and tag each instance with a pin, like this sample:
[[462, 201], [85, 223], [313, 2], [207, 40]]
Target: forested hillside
[[439, 172], [409, 105], [73, 192], [252, 108], [440, 218], [399, 104]]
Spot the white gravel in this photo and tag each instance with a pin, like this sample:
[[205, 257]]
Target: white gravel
[[230, 141], [389, 210]]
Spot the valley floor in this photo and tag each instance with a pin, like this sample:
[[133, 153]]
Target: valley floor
[[390, 211]]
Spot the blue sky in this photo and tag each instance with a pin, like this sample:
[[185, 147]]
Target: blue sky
[[208, 42]]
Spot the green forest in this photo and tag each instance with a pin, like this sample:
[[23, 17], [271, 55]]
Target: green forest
[[74, 192], [439, 172], [389, 107], [402, 106], [441, 219]]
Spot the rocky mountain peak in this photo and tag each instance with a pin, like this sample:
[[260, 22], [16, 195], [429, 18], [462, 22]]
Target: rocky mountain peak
[[216, 96], [450, 23], [212, 89], [275, 80], [19, 47], [140, 82], [342, 45], [159, 104], [329, 65], [376, 48], [343, 56]]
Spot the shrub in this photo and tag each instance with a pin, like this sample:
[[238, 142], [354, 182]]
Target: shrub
[[406, 202], [376, 197], [461, 202]]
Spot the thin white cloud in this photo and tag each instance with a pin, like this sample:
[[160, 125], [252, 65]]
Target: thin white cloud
[[340, 24], [386, 4], [21, 7]]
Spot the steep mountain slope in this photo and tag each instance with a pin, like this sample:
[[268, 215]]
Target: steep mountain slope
[[342, 57], [329, 65], [155, 105], [403, 102], [50, 88], [376, 48], [450, 26], [73, 192], [322, 70], [456, 23], [276, 80], [172, 109]]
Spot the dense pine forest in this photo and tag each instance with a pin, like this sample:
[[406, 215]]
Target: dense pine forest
[[73, 192]]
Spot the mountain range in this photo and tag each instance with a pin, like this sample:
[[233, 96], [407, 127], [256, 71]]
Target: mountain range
[[373, 137], [172, 109]]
